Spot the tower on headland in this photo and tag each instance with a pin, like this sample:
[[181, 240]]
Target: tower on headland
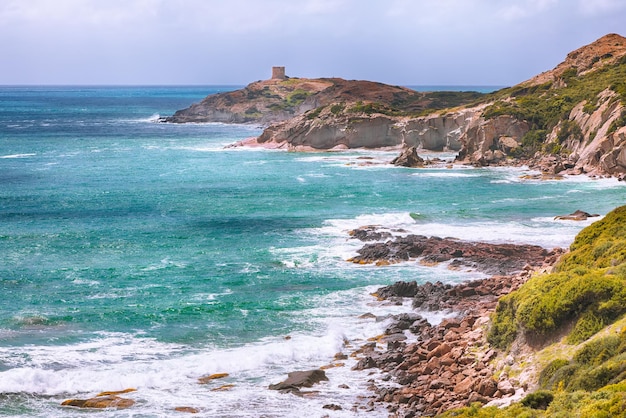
[[278, 73]]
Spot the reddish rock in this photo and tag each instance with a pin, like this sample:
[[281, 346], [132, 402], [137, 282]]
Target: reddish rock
[[100, 402], [487, 387], [206, 379], [187, 409], [439, 351]]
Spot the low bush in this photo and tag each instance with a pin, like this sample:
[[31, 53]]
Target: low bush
[[538, 400], [588, 287]]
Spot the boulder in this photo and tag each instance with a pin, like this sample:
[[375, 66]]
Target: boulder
[[300, 379], [206, 379], [100, 402], [408, 158], [579, 215]]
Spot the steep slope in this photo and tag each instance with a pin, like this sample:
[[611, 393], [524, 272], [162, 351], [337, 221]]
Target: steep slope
[[564, 332], [575, 115], [571, 119]]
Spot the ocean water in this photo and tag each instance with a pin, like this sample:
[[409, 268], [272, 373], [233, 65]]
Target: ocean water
[[135, 254]]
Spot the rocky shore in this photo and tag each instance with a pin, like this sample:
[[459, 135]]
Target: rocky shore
[[447, 365]]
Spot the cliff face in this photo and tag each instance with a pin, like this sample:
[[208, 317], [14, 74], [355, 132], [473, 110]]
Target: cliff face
[[570, 119], [348, 129]]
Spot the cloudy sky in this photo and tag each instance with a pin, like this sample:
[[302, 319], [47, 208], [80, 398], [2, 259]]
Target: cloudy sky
[[406, 42]]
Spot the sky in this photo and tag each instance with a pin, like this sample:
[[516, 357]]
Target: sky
[[234, 42]]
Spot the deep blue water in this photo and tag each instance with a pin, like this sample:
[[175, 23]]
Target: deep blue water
[[140, 254]]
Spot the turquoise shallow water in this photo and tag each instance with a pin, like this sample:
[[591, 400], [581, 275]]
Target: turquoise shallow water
[[139, 254]]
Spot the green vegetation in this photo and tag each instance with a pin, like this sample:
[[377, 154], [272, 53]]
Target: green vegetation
[[538, 400], [543, 106], [337, 108], [312, 114], [296, 97], [586, 291], [373, 107], [587, 288]]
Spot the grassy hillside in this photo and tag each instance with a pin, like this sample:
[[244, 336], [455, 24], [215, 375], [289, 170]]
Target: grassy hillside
[[545, 105], [585, 294]]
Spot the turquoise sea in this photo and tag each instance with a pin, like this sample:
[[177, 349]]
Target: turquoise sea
[[136, 254]]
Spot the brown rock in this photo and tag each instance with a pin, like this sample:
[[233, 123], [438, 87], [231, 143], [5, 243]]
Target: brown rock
[[408, 158], [487, 387], [116, 392], [465, 385], [579, 215], [206, 379], [187, 409], [300, 379], [101, 402], [439, 351]]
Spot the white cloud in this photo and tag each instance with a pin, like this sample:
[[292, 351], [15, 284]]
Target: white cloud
[[526, 8], [419, 41], [600, 7]]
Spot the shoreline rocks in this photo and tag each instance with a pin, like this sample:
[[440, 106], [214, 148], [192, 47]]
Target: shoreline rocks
[[488, 258], [449, 365], [300, 379]]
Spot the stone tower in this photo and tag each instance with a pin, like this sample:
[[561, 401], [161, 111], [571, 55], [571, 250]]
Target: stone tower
[[278, 73]]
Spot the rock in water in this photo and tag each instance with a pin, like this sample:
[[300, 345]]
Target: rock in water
[[297, 380], [579, 215], [408, 158], [100, 402]]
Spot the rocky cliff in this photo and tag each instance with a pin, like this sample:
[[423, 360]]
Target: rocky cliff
[[276, 100], [571, 119]]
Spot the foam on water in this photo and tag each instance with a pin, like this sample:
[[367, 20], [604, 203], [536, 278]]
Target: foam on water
[[165, 375], [148, 256], [17, 156]]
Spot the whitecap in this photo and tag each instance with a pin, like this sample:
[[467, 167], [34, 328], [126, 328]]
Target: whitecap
[[17, 156]]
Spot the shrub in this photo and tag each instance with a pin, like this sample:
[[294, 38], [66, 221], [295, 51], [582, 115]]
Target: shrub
[[337, 108], [546, 375], [538, 400], [312, 114], [598, 351], [569, 130], [586, 326], [588, 286]]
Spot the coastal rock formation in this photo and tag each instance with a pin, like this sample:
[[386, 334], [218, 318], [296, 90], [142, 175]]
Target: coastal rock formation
[[578, 215], [450, 365], [588, 89], [409, 158], [100, 402], [569, 120], [280, 99], [485, 257], [300, 379]]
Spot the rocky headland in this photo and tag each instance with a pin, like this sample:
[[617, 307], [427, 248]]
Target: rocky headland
[[569, 120]]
